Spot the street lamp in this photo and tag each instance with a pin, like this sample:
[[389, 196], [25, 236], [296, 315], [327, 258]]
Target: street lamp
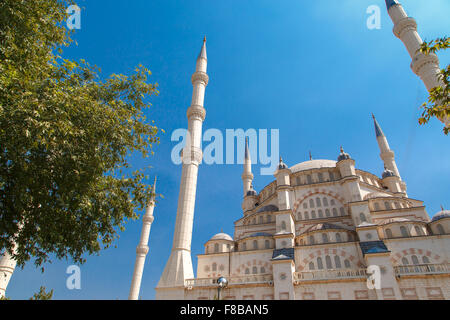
[[223, 283]]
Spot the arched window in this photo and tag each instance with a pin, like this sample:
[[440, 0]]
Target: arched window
[[309, 178], [347, 264], [404, 232], [440, 229], [311, 266], [267, 244], [263, 270], [216, 247], [377, 206], [327, 212], [313, 214], [389, 233], [214, 267], [261, 221], [269, 219], [397, 205], [325, 202], [255, 270], [311, 239], [255, 244], [318, 202], [387, 205], [332, 202], [418, 231], [311, 203], [341, 209], [415, 260], [362, 217], [337, 262], [299, 216], [283, 225], [335, 213], [331, 176], [350, 237], [425, 260], [305, 205], [320, 214], [320, 175], [306, 215], [338, 237], [328, 262], [247, 271], [405, 261], [324, 238], [319, 263], [244, 246]]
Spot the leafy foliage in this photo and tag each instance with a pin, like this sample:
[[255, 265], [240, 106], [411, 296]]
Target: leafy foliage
[[66, 186], [42, 295], [438, 104]]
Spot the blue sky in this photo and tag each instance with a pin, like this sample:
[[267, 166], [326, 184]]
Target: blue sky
[[311, 69]]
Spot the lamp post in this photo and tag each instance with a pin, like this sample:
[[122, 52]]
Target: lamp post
[[223, 283]]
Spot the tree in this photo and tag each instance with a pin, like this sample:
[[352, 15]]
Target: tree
[[438, 104], [66, 186], [42, 295]]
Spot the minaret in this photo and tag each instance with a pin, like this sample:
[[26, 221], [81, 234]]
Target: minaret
[[387, 155], [142, 248], [247, 175], [7, 266], [179, 266], [405, 28]]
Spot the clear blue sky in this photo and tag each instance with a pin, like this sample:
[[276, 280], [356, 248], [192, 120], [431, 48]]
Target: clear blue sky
[[309, 68]]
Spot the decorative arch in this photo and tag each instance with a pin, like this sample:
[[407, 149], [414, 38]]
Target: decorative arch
[[317, 192], [434, 258], [254, 263], [321, 253]]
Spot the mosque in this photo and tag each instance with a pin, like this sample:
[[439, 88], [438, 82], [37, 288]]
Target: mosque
[[322, 230]]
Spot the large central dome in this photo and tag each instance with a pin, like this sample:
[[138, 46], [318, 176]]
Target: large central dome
[[313, 164]]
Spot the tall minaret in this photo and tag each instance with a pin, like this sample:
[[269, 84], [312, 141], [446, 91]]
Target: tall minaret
[[7, 266], [179, 266], [387, 155], [405, 28], [142, 248], [247, 175]]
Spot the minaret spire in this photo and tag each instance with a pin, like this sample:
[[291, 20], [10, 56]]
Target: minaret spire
[[426, 66], [387, 155], [179, 266], [142, 248], [247, 175]]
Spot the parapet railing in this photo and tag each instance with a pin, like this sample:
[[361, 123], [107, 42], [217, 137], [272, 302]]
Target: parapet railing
[[422, 269], [330, 274], [247, 279]]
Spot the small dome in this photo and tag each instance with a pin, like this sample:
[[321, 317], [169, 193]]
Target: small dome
[[222, 236], [441, 215], [388, 173], [269, 208], [282, 165], [343, 155]]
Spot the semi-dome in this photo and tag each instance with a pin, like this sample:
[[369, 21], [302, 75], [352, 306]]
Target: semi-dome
[[441, 215], [374, 195], [313, 164], [222, 236]]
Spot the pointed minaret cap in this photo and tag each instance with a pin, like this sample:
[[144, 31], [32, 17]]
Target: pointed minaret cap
[[390, 3], [154, 190], [202, 54], [378, 131], [247, 153]]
